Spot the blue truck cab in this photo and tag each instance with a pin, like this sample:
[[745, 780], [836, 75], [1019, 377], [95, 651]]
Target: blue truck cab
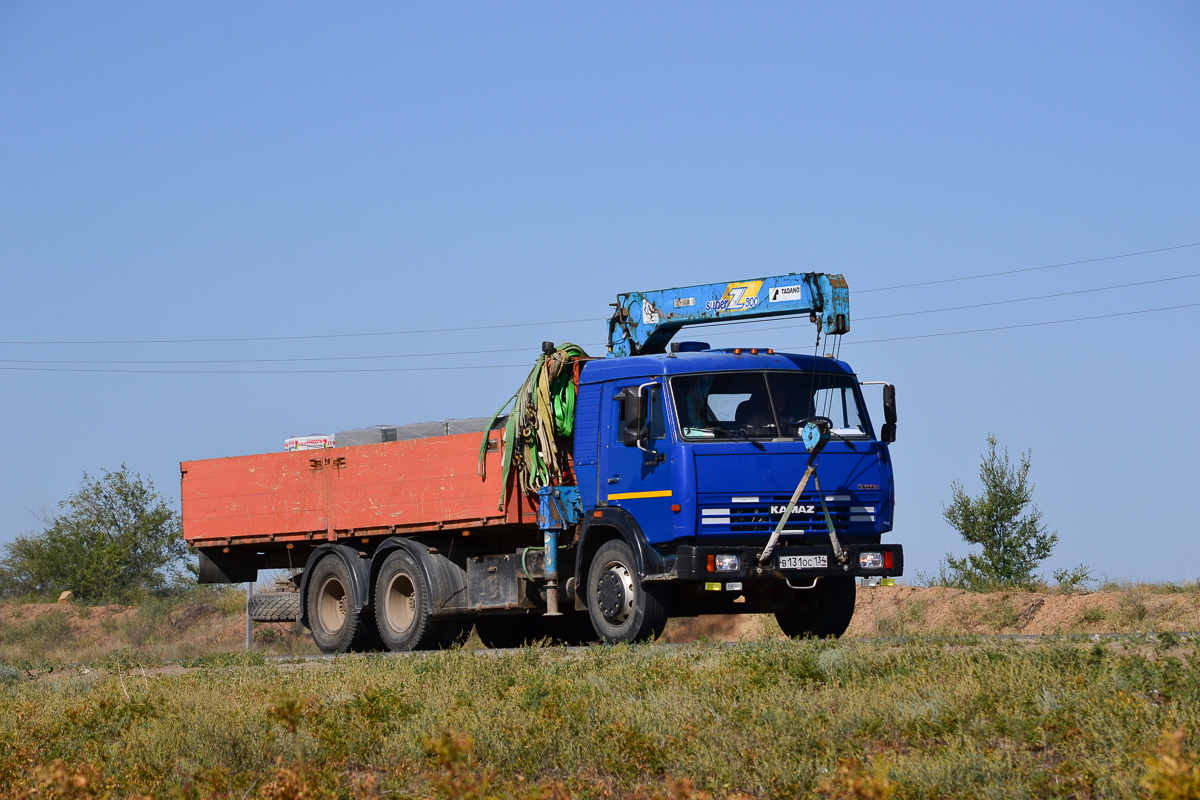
[[686, 461]]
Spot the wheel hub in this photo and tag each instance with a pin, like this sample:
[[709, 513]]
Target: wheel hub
[[614, 594], [331, 605]]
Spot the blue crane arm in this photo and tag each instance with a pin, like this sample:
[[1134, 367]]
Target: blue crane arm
[[644, 322]]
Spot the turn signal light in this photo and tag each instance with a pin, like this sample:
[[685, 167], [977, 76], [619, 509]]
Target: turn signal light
[[712, 563], [887, 560]]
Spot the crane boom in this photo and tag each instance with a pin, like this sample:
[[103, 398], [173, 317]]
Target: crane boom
[[644, 322]]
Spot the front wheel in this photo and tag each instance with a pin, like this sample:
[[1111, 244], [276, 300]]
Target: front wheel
[[621, 607], [824, 611]]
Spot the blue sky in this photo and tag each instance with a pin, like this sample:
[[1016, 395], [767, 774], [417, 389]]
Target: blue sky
[[248, 170]]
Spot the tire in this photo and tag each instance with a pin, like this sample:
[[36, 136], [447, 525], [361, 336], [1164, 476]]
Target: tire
[[275, 606], [403, 609], [331, 618], [823, 611], [621, 608]]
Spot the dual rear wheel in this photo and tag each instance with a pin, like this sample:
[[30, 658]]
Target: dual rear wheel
[[336, 623], [402, 619], [404, 609]]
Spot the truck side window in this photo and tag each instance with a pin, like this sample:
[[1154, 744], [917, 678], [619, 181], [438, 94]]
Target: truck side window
[[658, 423]]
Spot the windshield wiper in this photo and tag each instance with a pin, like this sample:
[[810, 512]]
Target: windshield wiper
[[844, 439], [800, 427], [740, 434]]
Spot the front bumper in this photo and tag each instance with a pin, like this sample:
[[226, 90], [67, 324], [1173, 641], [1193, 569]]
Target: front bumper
[[692, 562]]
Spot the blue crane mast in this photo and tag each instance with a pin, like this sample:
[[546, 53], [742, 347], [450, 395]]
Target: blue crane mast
[[644, 322]]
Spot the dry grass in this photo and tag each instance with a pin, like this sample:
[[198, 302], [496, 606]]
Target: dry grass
[[899, 718], [758, 719], [201, 622]]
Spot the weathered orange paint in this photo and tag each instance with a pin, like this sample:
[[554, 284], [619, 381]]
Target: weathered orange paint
[[414, 485]]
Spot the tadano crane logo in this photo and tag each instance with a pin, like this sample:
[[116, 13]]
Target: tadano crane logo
[[739, 296]]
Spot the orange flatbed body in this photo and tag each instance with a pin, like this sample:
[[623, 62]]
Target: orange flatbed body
[[410, 486]]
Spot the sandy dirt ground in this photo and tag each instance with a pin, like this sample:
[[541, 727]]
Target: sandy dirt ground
[[73, 633], [915, 610]]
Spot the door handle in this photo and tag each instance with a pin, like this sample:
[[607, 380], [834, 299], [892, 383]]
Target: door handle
[[614, 479]]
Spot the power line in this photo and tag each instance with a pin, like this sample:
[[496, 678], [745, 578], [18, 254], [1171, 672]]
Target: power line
[[752, 331], [414, 331], [1026, 269], [259, 371], [979, 305], [1027, 324], [266, 360], [310, 336], [526, 366], [1036, 297]]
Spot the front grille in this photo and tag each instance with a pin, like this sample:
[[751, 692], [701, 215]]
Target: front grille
[[760, 515]]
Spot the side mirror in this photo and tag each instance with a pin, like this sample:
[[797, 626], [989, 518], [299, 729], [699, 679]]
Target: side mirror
[[888, 434], [633, 413]]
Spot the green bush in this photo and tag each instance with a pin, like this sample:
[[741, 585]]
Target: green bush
[[1002, 523], [114, 539]]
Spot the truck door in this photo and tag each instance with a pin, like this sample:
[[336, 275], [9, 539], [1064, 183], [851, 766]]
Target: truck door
[[637, 480]]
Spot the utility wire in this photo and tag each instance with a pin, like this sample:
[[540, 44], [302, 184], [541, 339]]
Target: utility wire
[[526, 366], [306, 336], [1027, 324], [1026, 269], [527, 349], [977, 305], [316, 336], [260, 371]]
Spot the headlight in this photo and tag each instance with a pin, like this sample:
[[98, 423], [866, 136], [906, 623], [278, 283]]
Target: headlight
[[727, 563], [870, 560]]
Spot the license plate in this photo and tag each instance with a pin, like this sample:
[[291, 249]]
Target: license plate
[[803, 562]]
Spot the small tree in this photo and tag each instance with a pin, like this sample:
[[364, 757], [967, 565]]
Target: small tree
[[113, 539], [1013, 539]]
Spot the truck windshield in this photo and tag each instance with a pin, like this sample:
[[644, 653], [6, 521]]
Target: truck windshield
[[765, 405]]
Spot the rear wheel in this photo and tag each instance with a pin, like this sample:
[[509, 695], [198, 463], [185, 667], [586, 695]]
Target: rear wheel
[[823, 611], [403, 609], [621, 607], [335, 624]]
